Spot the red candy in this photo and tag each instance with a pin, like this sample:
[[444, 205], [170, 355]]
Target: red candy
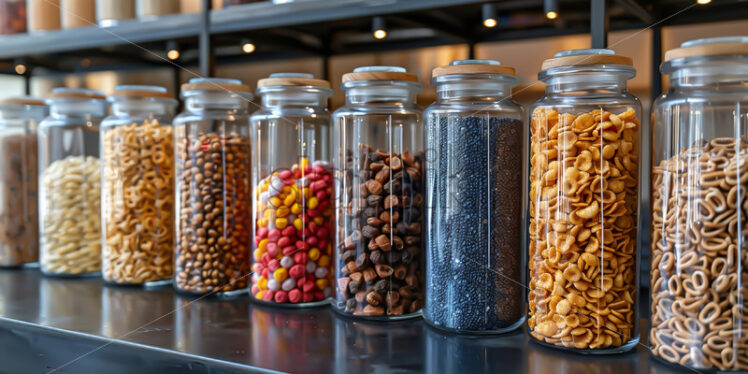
[[294, 295], [281, 296], [268, 295], [287, 251], [272, 249], [289, 231], [274, 235], [296, 271], [308, 287], [285, 174], [308, 297], [301, 245], [255, 290], [312, 241], [273, 264], [266, 273], [299, 257], [262, 232], [284, 242]]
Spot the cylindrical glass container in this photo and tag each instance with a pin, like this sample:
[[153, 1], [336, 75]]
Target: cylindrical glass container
[[293, 191], [378, 147], [583, 207], [147, 9], [137, 150], [19, 223], [70, 182], [110, 12], [77, 13], [44, 15], [12, 16], [213, 202], [473, 224], [699, 247]]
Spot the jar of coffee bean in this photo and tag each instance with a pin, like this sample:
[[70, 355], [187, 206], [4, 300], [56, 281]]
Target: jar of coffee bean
[[699, 232], [378, 140], [584, 204], [473, 221], [213, 203], [293, 190], [19, 223]]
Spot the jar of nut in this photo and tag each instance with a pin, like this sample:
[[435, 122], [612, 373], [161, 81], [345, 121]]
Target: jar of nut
[[699, 232], [138, 186], [293, 185], [473, 223], [19, 223], [583, 206], [378, 144], [213, 203], [70, 183]]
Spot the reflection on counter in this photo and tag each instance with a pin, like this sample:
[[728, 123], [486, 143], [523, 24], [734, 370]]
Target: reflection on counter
[[452, 353], [212, 327], [131, 311], [71, 304], [368, 347], [292, 340], [16, 288]]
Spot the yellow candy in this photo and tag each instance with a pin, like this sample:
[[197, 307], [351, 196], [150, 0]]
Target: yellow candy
[[307, 192], [321, 283], [280, 274], [281, 223], [304, 163], [283, 211], [262, 283], [313, 254], [298, 193], [259, 295], [298, 224], [263, 244], [319, 221], [296, 208], [324, 261], [257, 254], [286, 189], [290, 199], [312, 203], [275, 201], [262, 222]]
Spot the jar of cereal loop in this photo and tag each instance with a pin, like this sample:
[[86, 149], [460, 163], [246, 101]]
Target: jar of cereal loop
[[138, 186], [70, 182], [213, 201], [699, 247], [583, 207]]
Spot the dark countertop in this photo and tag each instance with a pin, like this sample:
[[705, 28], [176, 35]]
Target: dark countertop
[[46, 323]]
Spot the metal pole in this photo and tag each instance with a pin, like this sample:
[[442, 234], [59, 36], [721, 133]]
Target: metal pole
[[598, 24], [207, 63], [656, 61], [27, 82], [471, 50]]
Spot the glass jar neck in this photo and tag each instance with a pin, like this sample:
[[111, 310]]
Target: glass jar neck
[[586, 83], [78, 108], [142, 108], [473, 90], [707, 73], [29, 112], [385, 93], [295, 97], [215, 102]]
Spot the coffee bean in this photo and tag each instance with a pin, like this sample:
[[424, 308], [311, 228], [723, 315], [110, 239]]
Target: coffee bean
[[369, 232]]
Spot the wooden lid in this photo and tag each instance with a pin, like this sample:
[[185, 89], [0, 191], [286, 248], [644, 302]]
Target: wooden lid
[[586, 57], [379, 73], [142, 92], [292, 79], [215, 84], [76, 93], [473, 67], [723, 46], [22, 101]]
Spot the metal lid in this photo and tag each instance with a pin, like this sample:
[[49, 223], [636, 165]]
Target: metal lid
[[76, 93], [142, 91], [380, 73], [586, 57], [216, 84], [292, 79], [22, 100], [721, 46], [473, 67]]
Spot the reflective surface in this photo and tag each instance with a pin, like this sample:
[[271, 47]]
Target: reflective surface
[[243, 337]]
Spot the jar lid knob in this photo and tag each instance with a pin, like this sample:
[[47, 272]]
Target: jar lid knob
[[474, 62], [588, 51], [389, 69]]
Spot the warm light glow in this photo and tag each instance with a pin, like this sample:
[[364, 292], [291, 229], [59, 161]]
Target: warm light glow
[[248, 47], [551, 15], [20, 69], [703, 2], [489, 22], [380, 34], [173, 54]]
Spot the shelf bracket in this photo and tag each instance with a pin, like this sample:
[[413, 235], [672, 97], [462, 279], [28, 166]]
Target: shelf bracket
[[598, 24]]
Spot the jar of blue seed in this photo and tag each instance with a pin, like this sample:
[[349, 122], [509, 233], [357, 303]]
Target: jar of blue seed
[[473, 190]]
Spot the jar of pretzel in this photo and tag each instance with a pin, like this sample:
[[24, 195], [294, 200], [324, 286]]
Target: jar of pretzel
[[583, 204], [137, 146], [699, 251]]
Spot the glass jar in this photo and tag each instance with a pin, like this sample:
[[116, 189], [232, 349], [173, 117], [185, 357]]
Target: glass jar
[[110, 12], [293, 185], [149, 9], [43, 15], [12, 17], [583, 206], [137, 150], [473, 221], [19, 223], [213, 203], [699, 247], [77, 13], [70, 182], [378, 147]]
